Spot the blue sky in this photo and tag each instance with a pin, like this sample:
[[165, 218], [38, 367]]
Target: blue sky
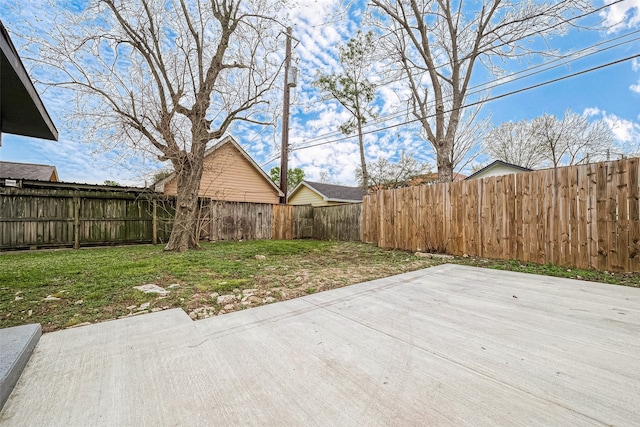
[[611, 94]]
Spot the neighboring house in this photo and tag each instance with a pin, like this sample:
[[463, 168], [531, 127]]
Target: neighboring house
[[229, 174], [29, 171], [498, 168], [319, 194]]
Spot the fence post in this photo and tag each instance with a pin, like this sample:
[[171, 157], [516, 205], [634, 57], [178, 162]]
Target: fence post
[[76, 221], [154, 222]]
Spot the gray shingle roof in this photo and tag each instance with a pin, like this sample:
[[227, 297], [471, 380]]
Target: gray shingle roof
[[28, 171], [337, 192], [498, 162]]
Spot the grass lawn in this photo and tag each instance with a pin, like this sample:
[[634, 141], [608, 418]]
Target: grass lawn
[[65, 288]]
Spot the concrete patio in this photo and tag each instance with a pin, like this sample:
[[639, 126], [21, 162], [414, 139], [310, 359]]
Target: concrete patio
[[449, 345]]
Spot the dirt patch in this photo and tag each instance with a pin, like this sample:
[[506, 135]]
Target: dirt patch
[[301, 275]]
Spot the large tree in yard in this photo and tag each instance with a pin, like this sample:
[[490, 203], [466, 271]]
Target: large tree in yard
[[167, 76], [437, 46]]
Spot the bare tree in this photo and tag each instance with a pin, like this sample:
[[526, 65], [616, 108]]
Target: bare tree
[[572, 139], [471, 131], [166, 76], [515, 143], [352, 89], [438, 44], [384, 174], [549, 141]]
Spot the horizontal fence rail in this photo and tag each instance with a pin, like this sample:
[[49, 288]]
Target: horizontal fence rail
[[584, 216]]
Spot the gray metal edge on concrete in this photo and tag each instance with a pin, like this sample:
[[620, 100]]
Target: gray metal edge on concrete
[[16, 345]]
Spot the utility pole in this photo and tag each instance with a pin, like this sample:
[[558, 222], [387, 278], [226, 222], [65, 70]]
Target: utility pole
[[284, 152]]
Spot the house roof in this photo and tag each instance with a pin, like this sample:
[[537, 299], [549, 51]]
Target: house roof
[[28, 171], [498, 163], [227, 140], [21, 109], [332, 192]]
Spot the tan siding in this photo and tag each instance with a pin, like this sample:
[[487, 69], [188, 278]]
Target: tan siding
[[305, 196], [229, 176]]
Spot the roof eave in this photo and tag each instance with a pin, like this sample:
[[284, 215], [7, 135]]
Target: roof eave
[[22, 111]]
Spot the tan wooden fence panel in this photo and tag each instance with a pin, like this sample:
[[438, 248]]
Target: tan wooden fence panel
[[282, 222], [584, 216], [370, 224]]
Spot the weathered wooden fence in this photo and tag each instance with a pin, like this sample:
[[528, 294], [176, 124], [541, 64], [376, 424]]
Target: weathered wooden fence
[[42, 217], [582, 216], [67, 215], [340, 222]]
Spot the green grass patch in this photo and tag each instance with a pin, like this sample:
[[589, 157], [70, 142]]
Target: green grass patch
[[97, 284], [623, 279], [64, 288]]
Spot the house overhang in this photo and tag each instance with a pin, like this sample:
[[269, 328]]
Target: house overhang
[[21, 109]]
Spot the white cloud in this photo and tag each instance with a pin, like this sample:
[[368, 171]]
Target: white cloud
[[591, 111], [635, 66], [624, 130], [626, 133], [621, 16]]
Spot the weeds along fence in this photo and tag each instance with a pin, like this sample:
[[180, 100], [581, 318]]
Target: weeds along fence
[[44, 215], [580, 216]]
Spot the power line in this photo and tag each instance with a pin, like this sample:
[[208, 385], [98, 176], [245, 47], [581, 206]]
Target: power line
[[493, 98], [564, 21], [528, 72], [580, 54]]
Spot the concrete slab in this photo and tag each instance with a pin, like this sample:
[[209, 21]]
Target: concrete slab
[[449, 345], [16, 346]]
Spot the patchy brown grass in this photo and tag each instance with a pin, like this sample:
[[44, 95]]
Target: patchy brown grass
[[96, 285], [66, 288]]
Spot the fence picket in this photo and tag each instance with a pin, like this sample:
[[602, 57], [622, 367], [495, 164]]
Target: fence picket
[[633, 195], [585, 216]]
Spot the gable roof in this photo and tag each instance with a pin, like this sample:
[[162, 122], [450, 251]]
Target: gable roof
[[332, 192], [30, 171], [498, 163], [21, 109], [159, 186]]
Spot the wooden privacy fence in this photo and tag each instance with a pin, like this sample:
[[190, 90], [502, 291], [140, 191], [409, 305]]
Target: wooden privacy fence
[[62, 215], [339, 222], [44, 217], [582, 216]]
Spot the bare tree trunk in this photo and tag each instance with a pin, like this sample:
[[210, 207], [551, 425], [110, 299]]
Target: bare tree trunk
[[444, 161], [184, 224], [363, 160]]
